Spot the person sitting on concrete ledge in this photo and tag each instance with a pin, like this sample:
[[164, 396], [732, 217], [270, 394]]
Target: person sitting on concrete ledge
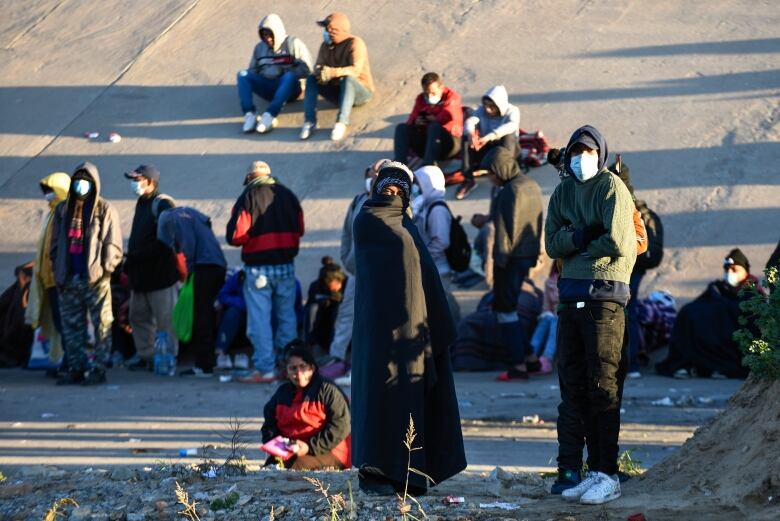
[[312, 413], [434, 128], [702, 338], [342, 75], [276, 73]]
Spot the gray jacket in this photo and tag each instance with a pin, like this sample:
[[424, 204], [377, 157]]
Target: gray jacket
[[347, 240], [102, 234], [289, 53], [494, 128], [434, 219]]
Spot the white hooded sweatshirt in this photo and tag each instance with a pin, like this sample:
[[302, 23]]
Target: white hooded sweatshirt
[[493, 128], [434, 223]]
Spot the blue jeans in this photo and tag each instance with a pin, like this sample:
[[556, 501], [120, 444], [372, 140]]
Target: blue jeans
[[634, 329], [233, 319], [279, 91], [346, 92], [269, 296], [545, 336]]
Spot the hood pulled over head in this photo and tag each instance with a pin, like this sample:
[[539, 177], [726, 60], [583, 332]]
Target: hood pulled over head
[[501, 163], [273, 23], [499, 96], [590, 135], [431, 182]]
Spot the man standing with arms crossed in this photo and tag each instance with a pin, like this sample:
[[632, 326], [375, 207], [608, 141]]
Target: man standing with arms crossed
[[590, 230]]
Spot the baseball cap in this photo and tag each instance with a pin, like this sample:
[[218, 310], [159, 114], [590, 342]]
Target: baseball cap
[[148, 171]]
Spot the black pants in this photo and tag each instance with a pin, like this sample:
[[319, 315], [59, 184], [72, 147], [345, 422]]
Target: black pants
[[431, 143], [592, 365], [472, 158], [507, 282], [209, 279]]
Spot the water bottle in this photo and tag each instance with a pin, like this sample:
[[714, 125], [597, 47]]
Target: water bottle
[[164, 359]]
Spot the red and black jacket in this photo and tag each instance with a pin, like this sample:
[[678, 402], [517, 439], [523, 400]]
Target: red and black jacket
[[267, 222], [318, 415]]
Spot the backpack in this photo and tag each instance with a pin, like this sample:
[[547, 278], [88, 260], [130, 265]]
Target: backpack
[[459, 251], [533, 149], [655, 239], [157, 201]]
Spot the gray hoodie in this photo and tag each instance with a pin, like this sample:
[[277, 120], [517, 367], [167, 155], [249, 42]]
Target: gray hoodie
[[289, 53], [433, 222], [494, 128], [102, 234]]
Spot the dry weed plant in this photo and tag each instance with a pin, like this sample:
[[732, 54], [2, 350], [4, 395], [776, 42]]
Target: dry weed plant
[[272, 515], [336, 502], [404, 507], [184, 500], [237, 443], [54, 511]]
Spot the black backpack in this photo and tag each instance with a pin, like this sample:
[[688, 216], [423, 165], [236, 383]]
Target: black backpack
[[459, 251], [655, 239]]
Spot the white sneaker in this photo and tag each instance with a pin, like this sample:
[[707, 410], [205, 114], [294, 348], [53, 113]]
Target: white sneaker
[[241, 361], [575, 493], [345, 381], [250, 120], [338, 132], [267, 122], [223, 361], [606, 489], [681, 374], [308, 128], [633, 375]]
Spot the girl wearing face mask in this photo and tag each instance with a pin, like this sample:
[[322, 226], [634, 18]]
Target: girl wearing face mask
[[43, 309]]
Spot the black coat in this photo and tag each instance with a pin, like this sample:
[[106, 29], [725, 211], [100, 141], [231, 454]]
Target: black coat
[[400, 351]]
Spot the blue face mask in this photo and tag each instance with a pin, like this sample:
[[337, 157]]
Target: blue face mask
[[82, 187], [326, 37]]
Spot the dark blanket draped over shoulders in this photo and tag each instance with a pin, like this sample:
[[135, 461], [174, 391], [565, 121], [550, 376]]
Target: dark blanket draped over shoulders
[[401, 364]]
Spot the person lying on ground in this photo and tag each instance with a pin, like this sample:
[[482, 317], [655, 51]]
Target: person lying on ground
[[16, 336], [342, 75], [434, 128], [702, 340], [496, 123], [401, 360], [322, 306], [516, 214], [188, 233], [277, 73], [312, 412]]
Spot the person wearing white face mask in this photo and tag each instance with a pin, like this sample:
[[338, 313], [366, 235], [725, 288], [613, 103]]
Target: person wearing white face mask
[[702, 338], [433, 130], [590, 231], [150, 266]]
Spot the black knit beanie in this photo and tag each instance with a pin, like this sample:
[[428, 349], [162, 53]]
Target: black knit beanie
[[736, 257]]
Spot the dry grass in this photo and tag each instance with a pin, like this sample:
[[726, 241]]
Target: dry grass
[[184, 500], [336, 502], [404, 507], [56, 508]]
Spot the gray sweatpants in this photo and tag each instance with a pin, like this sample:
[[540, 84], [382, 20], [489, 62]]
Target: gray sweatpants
[[150, 312]]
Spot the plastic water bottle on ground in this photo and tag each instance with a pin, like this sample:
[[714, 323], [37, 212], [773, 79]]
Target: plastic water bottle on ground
[[164, 359]]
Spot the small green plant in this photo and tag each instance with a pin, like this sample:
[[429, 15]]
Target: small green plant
[[404, 507], [57, 506], [629, 465], [184, 500], [225, 503], [2, 477], [760, 341], [336, 503]]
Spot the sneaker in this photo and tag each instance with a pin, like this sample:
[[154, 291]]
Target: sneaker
[[196, 372], [241, 361], [71, 378], [566, 480], [338, 132], [576, 492], [334, 370], [223, 361], [344, 381], [606, 489], [718, 376], [466, 187], [267, 122], [633, 375], [547, 365], [250, 120], [259, 378], [513, 375], [94, 377], [681, 374], [307, 129], [139, 364]]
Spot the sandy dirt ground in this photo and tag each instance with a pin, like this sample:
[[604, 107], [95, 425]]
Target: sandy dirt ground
[[689, 93]]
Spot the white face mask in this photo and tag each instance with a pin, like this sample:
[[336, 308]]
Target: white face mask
[[135, 186], [326, 37], [49, 196], [432, 100], [585, 166], [82, 187], [731, 278]]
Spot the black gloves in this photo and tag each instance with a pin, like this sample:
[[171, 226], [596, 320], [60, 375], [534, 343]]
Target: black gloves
[[583, 236]]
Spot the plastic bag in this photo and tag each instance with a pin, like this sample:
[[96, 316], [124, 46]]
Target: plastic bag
[[184, 310]]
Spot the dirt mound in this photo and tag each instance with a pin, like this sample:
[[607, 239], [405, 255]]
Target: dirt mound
[[734, 459]]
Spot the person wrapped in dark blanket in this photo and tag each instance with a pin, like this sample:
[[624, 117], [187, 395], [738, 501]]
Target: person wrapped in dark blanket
[[401, 364], [702, 340]]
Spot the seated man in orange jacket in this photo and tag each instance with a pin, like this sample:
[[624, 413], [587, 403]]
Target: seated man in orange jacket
[[435, 126]]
